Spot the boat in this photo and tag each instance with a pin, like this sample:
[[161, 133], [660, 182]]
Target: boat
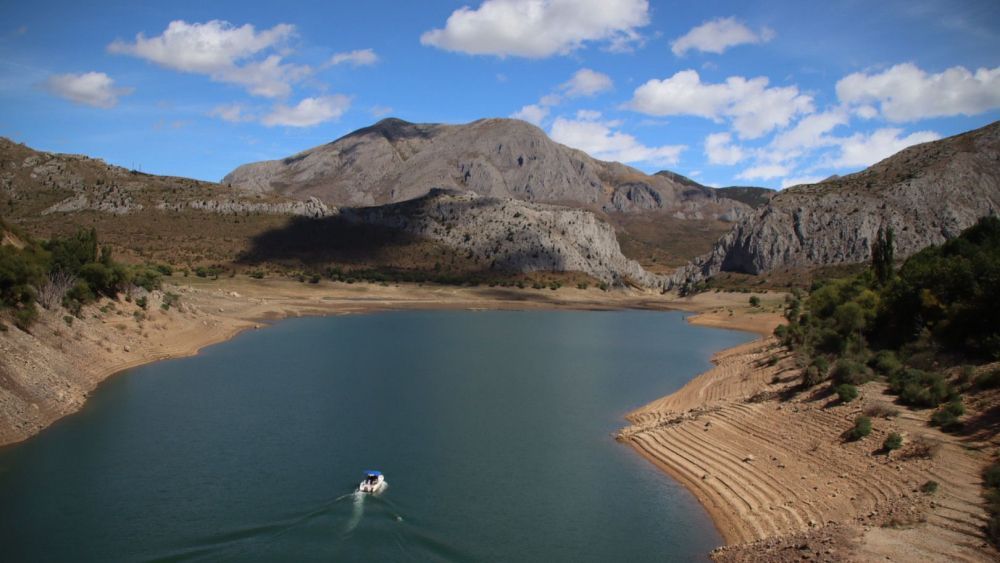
[[373, 482]]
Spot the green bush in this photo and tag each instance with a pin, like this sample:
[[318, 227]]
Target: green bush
[[893, 441], [142, 302], [846, 392], [862, 427], [582, 285], [754, 301], [989, 380], [920, 388], [885, 362], [848, 371], [947, 416], [929, 487], [259, 275]]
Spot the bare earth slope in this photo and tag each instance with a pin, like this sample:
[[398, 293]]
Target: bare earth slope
[[927, 193], [782, 484]]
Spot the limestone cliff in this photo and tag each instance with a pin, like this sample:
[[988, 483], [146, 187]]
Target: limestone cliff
[[927, 193]]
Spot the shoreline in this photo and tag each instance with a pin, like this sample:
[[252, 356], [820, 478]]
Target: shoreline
[[770, 468], [45, 378]]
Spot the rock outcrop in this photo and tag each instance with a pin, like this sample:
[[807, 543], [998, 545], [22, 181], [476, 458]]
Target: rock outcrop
[[927, 194], [394, 161], [513, 236]]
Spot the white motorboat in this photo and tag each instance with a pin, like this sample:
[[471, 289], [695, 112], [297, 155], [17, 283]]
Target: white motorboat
[[373, 482]]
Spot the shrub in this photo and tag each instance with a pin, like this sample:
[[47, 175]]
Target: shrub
[[257, 275], [142, 302], [892, 442], [885, 362], [920, 388], [754, 301], [846, 392], [169, 300], [852, 372], [946, 417], [862, 427], [603, 286], [989, 380], [165, 269], [881, 410], [581, 285], [314, 278], [68, 319], [811, 377], [929, 487]]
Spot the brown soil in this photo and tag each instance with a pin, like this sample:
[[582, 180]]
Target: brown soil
[[781, 483]]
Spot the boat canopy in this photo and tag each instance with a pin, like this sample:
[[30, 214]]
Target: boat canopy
[[371, 473]]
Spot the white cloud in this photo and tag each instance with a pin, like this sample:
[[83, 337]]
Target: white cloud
[[533, 113], [764, 172], [907, 93], [810, 132], [753, 108], [586, 82], [380, 110], [360, 57], [797, 180], [717, 35], [233, 113], [599, 140], [539, 28], [90, 88], [221, 51], [862, 150], [588, 115], [308, 112], [720, 150]]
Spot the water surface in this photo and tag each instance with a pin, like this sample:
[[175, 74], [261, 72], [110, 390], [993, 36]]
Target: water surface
[[493, 429]]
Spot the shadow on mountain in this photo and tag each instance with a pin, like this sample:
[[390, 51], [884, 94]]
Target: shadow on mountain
[[328, 240]]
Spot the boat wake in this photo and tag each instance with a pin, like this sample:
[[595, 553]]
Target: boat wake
[[351, 526]]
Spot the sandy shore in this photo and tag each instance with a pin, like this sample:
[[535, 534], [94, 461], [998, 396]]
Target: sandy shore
[[781, 484]]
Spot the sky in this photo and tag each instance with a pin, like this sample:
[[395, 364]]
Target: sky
[[725, 92]]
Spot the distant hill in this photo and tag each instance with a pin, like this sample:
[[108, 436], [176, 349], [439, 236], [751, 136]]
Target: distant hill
[[927, 194], [394, 160], [453, 235]]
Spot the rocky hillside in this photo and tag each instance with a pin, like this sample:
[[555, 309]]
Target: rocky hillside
[[927, 193], [187, 222], [509, 235], [394, 161]]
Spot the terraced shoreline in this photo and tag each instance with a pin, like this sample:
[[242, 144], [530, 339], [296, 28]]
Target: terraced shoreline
[[780, 483]]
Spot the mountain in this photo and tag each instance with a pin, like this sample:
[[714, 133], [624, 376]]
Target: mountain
[[927, 193], [484, 235], [456, 234], [394, 161]]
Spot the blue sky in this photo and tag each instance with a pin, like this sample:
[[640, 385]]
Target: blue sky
[[729, 93]]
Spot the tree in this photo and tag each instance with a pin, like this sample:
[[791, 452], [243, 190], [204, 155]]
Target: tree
[[883, 255]]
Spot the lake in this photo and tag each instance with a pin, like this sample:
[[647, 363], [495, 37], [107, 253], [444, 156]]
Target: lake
[[494, 430]]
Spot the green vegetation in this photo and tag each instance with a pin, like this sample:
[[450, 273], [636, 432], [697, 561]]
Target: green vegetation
[[893, 441], [940, 306], [929, 487], [991, 480], [754, 301], [846, 392], [862, 427], [64, 271]]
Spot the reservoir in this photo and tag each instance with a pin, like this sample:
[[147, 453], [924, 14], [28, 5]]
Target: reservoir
[[493, 429]]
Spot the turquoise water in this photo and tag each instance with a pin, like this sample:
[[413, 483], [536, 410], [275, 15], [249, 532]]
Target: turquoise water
[[493, 430]]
